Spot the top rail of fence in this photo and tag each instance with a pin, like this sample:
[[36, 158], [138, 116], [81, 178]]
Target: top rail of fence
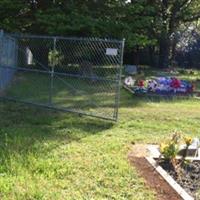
[[16, 35]]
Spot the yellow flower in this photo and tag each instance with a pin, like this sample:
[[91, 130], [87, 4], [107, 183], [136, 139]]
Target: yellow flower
[[188, 140], [163, 146]]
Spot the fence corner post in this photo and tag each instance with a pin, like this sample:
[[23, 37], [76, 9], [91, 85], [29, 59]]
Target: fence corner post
[[1, 32], [1, 49]]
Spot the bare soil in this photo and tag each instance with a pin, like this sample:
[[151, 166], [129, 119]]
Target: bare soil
[[152, 179]]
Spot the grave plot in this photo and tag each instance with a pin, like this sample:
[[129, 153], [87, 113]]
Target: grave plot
[[176, 161], [173, 83]]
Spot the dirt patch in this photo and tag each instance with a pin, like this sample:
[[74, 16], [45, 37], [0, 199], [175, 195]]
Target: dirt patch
[[139, 150], [152, 179]]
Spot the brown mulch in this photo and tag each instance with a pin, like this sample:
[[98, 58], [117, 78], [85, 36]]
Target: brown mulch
[[152, 179]]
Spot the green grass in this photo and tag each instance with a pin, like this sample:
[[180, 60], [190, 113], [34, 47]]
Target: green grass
[[53, 155]]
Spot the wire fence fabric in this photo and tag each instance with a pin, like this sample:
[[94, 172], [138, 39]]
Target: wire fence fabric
[[80, 75]]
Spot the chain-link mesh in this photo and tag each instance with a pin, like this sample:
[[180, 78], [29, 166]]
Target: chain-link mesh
[[71, 74]]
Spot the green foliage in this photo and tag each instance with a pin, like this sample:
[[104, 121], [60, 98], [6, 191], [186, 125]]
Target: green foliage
[[169, 149], [142, 23], [115, 19], [12, 15], [55, 58]]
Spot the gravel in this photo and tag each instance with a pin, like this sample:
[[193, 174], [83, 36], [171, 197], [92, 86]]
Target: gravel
[[188, 176]]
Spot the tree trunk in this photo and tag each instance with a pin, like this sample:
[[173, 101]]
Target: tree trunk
[[164, 54], [136, 56], [173, 49], [152, 60]]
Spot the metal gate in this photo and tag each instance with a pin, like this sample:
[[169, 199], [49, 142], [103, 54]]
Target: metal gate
[[80, 75]]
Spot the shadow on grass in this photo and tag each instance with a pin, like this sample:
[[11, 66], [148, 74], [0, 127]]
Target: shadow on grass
[[25, 129], [67, 93]]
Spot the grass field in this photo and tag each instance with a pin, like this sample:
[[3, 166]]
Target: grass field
[[53, 155]]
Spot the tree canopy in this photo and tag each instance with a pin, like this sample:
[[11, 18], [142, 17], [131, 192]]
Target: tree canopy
[[145, 24]]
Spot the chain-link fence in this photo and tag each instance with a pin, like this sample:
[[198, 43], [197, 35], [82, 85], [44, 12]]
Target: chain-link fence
[[70, 74]]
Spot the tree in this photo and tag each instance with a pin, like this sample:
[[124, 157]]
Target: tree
[[170, 15], [11, 15], [105, 19], [149, 24]]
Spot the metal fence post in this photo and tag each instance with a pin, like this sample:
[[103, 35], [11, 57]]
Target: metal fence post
[[16, 54], [117, 99], [52, 72], [1, 33]]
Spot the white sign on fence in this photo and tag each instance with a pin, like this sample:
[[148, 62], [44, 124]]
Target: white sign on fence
[[111, 51]]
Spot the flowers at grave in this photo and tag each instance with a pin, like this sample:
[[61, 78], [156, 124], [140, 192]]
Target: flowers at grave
[[164, 85], [141, 86], [170, 148], [177, 155], [188, 140], [179, 145], [129, 81]]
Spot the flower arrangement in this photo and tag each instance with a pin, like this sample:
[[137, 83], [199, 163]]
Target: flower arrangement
[[177, 157], [164, 85], [171, 148]]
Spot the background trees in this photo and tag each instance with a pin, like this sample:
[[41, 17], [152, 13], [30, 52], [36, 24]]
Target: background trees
[[171, 14], [150, 27]]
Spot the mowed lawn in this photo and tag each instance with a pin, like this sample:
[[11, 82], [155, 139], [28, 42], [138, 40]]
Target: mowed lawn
[[53, 155]]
